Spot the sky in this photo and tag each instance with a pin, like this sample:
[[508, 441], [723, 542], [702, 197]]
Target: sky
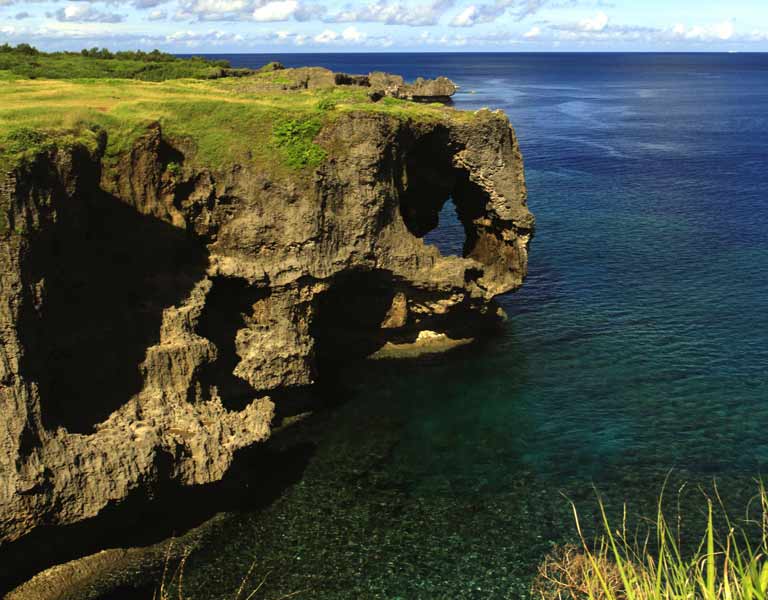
[[220, 26]]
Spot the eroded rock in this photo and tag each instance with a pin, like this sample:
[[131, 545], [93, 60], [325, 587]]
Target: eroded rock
[[145, 318], [421, 90], [381, 84]]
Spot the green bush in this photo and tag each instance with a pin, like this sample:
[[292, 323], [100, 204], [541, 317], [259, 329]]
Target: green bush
[[271, 66], [23, 139], [295, 139], [326, 104], [174, 169], [27, 62]]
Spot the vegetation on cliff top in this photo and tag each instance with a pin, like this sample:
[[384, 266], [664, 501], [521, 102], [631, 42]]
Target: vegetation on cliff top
[[26, 62], [268, 117]]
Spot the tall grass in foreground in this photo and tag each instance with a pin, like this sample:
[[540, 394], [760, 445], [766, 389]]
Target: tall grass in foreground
[[172, 583], [618, 566]]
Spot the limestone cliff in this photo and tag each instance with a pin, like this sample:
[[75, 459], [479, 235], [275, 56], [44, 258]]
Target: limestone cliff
[[152, 311]]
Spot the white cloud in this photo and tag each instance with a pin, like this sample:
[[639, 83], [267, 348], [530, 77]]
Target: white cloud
[[212, 37], [532, 33], [724, 30], [72, 12], [148, 3], [426, 38], [466, 18], [596, 23], [219, 6], [719, 31], [84, 13], [348, 36], [244, 10], [393, 13], [280, 10], [62, 34], [214, 10], [157, 15], [476, 14], [352, 34], [326, 36]]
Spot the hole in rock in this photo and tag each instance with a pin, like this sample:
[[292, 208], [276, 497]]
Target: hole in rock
[[109, 273], [439, 203], [448, 236], [228, 308]]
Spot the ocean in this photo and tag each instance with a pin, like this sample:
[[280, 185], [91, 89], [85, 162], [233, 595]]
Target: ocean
[[636, 352]]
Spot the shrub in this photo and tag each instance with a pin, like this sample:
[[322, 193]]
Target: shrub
[[23, 139], [26, 49], [326, 104], [271, 66], [174, 169], [567, 573], [295, 139], [27, 62]]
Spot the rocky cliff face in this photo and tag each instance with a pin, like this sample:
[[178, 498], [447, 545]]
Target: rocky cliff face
[[152, 318]]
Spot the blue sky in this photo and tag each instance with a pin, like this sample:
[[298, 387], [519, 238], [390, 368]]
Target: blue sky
[[388, 25]]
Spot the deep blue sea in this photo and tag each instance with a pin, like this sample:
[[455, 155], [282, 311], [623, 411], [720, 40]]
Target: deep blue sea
[[637, 349]]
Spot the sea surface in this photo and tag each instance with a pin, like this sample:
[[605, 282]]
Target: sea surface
[[636, 351]]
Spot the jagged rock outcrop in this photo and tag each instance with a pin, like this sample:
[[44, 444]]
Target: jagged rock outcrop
[[421, 90], [147, 313], [381, 84]]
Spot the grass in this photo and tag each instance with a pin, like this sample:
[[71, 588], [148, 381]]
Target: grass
[[266, 119], [222, 122], [172, 584], [622, 566]]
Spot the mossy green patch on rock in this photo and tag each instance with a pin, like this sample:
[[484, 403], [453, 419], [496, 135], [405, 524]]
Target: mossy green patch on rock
[[295, 138]]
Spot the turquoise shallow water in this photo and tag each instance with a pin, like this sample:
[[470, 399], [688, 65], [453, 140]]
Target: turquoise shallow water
[[637, 346]]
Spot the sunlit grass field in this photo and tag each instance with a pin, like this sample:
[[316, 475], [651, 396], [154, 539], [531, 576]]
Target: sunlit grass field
[[226, 121]]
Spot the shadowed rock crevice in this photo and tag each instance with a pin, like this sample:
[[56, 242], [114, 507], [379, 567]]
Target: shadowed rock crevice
[[430, 178], [258, 476], [348, 318], [229, 308], [109, 272], [471, 207]]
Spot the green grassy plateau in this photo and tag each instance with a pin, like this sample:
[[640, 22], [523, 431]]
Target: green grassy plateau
[[220, 116]]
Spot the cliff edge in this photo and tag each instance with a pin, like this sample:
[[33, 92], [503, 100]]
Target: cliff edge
[[177, 257]]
